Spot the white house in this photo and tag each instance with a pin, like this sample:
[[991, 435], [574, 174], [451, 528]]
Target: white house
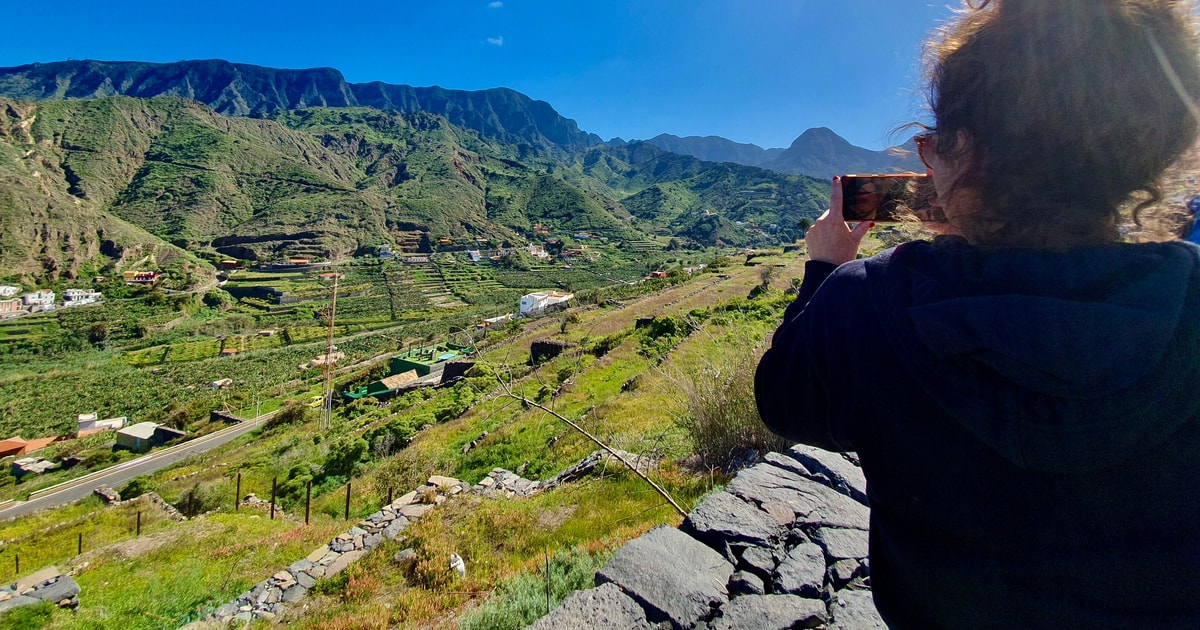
[[42, 297], [8, 291], [535, 304], [79, 297], [91, 422]]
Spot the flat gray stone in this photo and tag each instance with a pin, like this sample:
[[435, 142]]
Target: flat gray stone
[[760, 561], [305, 580], [371, 541], [770, 612], [294, 594], [343, 561], [746, 583], [226, 611], [356, 531], [812, 502], [802, 572], [855, 610], [300, 565], [64, 588], [672, 575], [18, 601], [605, 607], [842, 475], [415, 510], [317, 554], [394, 528], [842, 571], [724, 518], [843, 544]]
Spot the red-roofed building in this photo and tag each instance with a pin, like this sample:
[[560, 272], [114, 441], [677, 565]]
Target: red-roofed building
[[18, 446]]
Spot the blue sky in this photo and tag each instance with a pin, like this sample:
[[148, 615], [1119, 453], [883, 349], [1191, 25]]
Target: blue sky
[[758, 71]]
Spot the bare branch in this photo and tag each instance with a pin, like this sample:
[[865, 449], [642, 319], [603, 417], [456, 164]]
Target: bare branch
[[604, 446]]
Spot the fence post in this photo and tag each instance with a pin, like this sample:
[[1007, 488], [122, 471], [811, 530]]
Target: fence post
[[274, 484], [139, 524], [347, 517], [79, 548], [389, 495], [307, 499], [237, 494], [191, 504]]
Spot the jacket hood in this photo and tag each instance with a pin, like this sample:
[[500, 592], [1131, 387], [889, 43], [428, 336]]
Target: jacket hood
[[1060, 361]]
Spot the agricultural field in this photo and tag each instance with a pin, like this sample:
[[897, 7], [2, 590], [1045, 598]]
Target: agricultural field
[[625, 387]]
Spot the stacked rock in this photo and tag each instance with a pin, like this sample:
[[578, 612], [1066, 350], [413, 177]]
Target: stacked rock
[[784, 545], [504, 483], [272, 597]]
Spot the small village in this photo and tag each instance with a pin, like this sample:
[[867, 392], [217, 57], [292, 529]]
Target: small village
[[44, 300]]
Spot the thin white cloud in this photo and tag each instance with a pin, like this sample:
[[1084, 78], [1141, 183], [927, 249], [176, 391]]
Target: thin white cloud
[[496, 5], [496, 41]]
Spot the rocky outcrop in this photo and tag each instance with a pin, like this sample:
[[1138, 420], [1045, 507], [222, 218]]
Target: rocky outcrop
[[784, 545], [46, 585]]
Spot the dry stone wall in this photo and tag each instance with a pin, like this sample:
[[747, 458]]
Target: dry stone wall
[[784, 545]]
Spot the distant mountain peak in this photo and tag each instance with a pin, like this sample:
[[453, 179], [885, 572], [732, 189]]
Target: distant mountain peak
[[818, 152]]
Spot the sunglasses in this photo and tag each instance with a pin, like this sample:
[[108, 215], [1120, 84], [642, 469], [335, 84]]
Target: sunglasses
[[926, 143]]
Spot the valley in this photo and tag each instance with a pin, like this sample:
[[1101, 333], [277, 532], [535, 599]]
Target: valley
[[622, 381]]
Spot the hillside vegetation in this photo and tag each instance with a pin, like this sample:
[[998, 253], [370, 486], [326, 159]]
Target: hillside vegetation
[[96, 185]]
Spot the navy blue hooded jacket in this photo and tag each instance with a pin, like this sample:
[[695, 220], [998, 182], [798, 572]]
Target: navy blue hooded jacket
[[1028, 423]]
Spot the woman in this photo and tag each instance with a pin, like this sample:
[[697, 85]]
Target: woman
[[1021, 391]]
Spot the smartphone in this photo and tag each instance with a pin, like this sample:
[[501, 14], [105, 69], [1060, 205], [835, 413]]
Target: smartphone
[[889, 198]]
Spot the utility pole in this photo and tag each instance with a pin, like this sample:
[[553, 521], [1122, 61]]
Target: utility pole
[[327, 365]]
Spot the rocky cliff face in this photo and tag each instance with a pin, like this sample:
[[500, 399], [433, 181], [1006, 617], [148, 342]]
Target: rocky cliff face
[[235, 89]]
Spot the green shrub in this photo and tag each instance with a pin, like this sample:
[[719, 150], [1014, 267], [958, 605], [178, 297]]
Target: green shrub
[[136, 488], [719, 412], [521, 600]]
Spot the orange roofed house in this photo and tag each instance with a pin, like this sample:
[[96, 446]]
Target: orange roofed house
[[18, 446]]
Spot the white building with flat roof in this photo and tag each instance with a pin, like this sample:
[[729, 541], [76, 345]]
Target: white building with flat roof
[[42, 297], [79, 297], [537, 303], [7, 290]]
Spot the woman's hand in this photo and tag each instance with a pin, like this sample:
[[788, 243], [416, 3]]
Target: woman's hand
[[830, 239]]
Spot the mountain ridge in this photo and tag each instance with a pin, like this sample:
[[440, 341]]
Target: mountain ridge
[[818, 152], [236, 89]]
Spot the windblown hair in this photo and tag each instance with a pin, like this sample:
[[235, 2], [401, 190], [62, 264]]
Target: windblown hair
[[1068, 107]]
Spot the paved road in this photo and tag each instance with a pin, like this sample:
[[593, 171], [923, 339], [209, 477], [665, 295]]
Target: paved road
[[118, 475]]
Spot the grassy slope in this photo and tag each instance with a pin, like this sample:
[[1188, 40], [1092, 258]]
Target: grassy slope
[[52, 226]]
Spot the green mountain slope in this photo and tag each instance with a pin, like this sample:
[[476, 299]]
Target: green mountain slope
[[54, 220], [123, 178]]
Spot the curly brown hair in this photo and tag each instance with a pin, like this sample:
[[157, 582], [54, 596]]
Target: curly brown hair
[[1070, 106]]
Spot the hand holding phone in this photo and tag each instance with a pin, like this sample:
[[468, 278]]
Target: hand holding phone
[[830, 239], [889, 198]]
